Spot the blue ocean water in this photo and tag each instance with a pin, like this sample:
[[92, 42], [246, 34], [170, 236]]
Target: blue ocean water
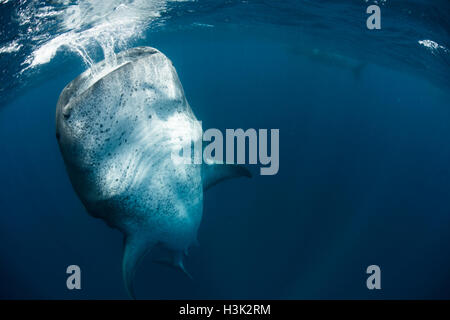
[[364, 158]]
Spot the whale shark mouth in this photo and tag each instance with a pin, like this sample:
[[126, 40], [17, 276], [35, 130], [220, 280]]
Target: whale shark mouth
[[99, 70]]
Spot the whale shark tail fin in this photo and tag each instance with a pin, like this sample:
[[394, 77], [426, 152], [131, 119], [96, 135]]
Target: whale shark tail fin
[[214, 173], [135, 250]]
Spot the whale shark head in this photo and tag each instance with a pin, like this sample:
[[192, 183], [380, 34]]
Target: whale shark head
[[117, 127]]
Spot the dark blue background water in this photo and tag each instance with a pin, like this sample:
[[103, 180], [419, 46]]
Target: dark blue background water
[[364, 174]]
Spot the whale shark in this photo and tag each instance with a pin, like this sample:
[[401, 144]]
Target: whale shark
[[331, 59], [118, 126]]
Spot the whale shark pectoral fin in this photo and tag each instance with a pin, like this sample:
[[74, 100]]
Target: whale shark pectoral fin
[[135, 249], [175, 260], [214, 173]]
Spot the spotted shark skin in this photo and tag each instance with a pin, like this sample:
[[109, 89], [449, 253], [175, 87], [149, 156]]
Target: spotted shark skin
[[118, 126]]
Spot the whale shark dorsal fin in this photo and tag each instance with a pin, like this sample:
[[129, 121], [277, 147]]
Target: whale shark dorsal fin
[[214, 173], [135, 249]]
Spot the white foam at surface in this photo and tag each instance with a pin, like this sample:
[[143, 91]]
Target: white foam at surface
[[432, 45], [84, 25], [11, 47]]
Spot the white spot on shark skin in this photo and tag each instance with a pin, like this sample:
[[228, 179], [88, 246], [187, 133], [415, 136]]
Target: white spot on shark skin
[[117, 127]]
